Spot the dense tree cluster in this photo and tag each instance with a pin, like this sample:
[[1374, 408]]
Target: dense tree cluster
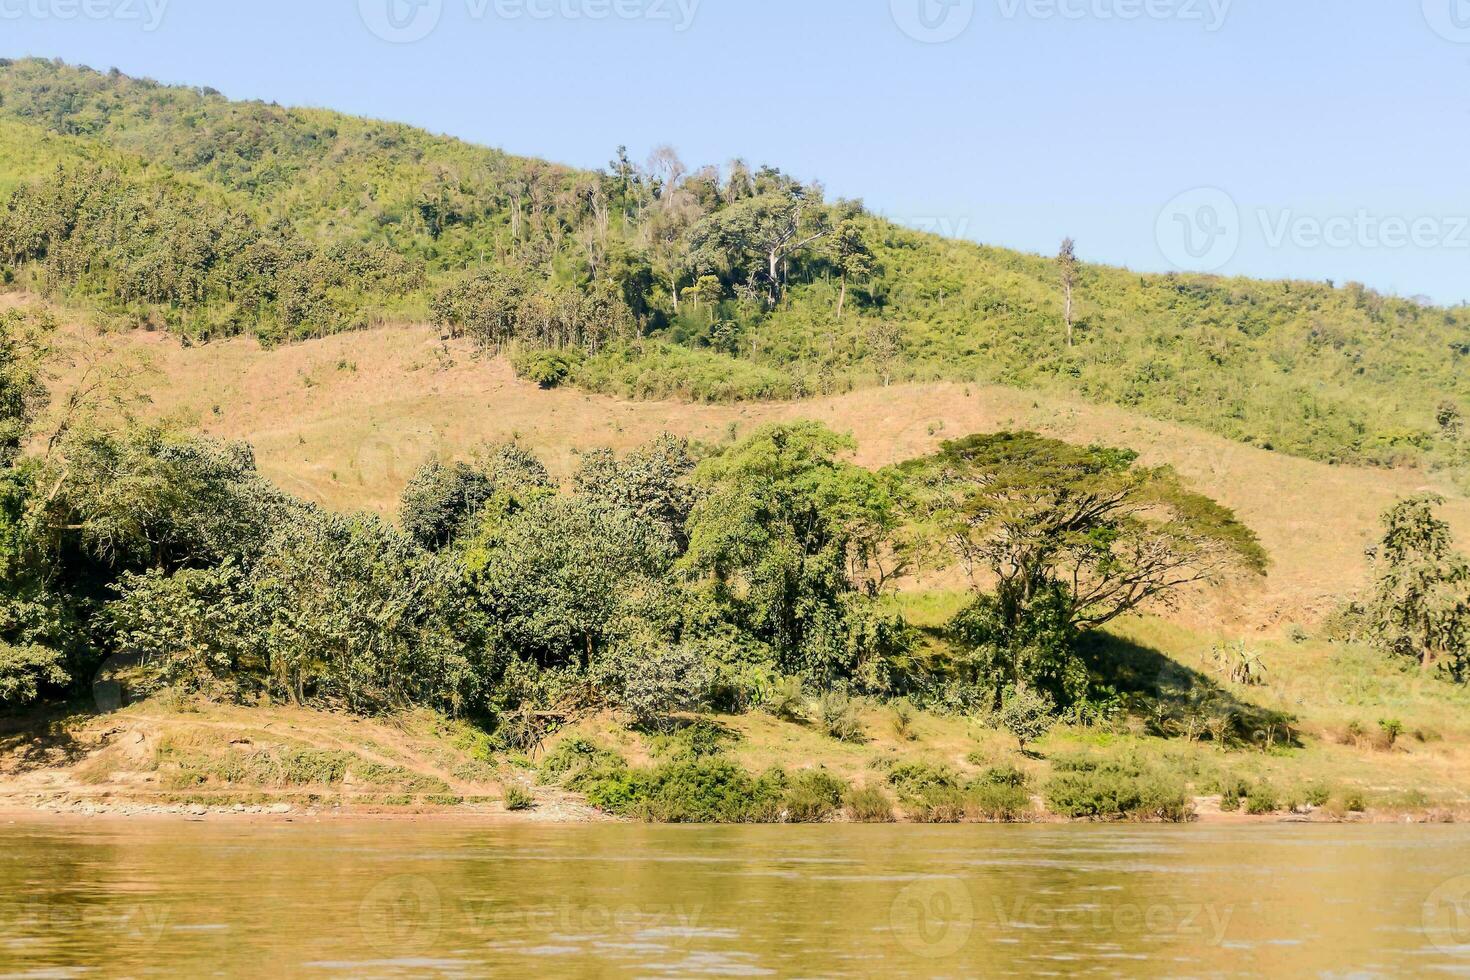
[[669, 578]]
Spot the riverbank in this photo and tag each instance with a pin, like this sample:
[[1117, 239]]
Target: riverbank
[[166, 760]]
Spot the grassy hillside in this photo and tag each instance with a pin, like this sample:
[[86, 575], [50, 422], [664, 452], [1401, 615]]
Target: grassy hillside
[[346, 421], [304, 222]]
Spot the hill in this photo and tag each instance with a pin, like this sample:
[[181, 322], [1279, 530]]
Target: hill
[[179, 208], [347, 420]]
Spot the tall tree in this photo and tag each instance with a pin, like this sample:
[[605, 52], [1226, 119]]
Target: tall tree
[[1068, 267], [852, 256], [1421, 602]]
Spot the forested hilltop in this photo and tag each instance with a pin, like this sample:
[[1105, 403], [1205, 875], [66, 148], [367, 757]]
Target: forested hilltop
[[176, 207]]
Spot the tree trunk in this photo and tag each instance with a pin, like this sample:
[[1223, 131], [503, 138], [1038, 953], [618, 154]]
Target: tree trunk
[[842, 298], [1069, 317]]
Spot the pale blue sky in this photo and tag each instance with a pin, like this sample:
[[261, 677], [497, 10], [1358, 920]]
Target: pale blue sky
[[1343, 121]]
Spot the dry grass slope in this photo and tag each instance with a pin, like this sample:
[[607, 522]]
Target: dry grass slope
[[346, 420]]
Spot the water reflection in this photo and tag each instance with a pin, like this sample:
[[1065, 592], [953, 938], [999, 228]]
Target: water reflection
[[392, 899]]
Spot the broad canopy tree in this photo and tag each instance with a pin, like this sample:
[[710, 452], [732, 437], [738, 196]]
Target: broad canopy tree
[[1061, 539]]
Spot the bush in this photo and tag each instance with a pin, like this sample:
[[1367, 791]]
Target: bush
[[786, 700], [1317, 795], [838, 715], [941, 804], [868, 804], [440, 501], [997, 802], [1262, 801], [547, 368], [1116, 792], [903, 720], [813, 796], [707, 791], [517, 798], [1004, 776], [27, 671], [1353, 802], [651, 685], [914, 779], [1028, 715]]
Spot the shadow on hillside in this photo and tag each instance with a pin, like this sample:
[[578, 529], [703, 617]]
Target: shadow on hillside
[[41, 738], [1175, 701]]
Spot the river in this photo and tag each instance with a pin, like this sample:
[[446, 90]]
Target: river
[[399, 899]]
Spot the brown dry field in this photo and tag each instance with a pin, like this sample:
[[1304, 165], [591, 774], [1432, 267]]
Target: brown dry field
[[346, 420]]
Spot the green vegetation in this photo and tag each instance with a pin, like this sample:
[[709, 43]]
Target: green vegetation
[[179, 208]]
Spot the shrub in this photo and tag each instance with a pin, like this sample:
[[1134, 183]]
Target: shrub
[[868, 804], [1262, 801], [1110, 791], [997, 802], [546, 368], [786, 700], [1392, 730], [1004, 776], [838, 715], [1028, 715], [1317, 795], [707, 791], [651, 685], [914, 779], [27, 671], [941, 804], [903, 720], [1353, 802], [813, 796], [574, 757], [517, 798]]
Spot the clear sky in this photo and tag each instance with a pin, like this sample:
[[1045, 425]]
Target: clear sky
[[1322, 139]]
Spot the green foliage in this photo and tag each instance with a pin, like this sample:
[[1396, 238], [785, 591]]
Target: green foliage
[[813, 796], [1114, 790], [1072, 538], [351, 612], [868, 804], [24, 343], [517, 798], [1028, 715], [546, 368], [838, 716], [28, 671], [176, 206], [779, 526], [440, 501], [1420, 610], [651, 684]]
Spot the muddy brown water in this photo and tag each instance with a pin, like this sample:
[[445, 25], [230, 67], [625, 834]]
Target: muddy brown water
[[400, 899]]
